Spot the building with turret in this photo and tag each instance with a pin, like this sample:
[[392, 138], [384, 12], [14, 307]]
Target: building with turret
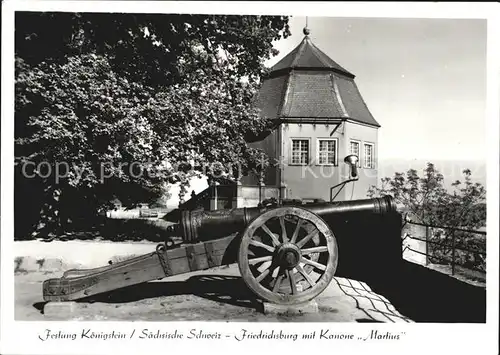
[[320, 117]]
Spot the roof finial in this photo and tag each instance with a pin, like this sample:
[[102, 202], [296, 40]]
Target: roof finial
[[306, 29]]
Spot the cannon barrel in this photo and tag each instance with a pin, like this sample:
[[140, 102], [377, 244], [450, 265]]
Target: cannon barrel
[[200, 225], [366, 232]]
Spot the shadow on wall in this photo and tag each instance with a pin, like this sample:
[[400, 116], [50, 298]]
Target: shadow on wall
[[425, 295]]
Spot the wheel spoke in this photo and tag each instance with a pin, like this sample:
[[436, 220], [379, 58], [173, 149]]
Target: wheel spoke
[[275, 240], [277, 284], [262, 275], [279, 256], [284, 238], [265, 265], [293, 285], [259, 260], [314, 250], [306, 276], [262, 245], [314, 263], [275, 272], [307, 238], [296, 232]]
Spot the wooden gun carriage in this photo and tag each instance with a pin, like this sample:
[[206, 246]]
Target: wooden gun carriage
[[286, 254]]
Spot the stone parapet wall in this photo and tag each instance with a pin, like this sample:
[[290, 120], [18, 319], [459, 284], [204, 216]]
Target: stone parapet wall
[[414, 250]]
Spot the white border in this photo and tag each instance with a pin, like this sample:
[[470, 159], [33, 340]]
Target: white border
[[20, 337], [492, 169]]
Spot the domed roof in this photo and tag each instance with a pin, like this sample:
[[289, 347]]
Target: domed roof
[[307, 56], [307, 84]]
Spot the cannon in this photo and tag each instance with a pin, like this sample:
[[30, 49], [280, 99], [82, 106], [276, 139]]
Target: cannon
[[286, 253]]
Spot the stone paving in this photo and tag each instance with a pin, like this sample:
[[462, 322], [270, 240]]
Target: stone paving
[[212, 295]]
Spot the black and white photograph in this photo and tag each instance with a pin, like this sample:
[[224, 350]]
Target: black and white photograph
[[229, 175]]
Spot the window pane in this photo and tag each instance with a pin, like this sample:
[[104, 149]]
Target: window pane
[[368, 156], [331, 158], [327, 150], [322, 158], [355, 148], [300, 151]]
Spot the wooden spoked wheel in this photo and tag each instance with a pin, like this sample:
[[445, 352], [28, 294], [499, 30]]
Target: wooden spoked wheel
[[287, 255]]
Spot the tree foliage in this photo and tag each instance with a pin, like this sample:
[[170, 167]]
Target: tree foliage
[[429, 201], [121, 105]]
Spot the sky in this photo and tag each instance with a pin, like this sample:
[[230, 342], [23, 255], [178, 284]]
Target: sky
[[424, 80]]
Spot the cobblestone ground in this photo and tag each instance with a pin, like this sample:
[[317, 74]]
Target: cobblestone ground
[[212, 295]]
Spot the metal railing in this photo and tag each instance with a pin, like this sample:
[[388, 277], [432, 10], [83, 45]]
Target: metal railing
[[448, 245]]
